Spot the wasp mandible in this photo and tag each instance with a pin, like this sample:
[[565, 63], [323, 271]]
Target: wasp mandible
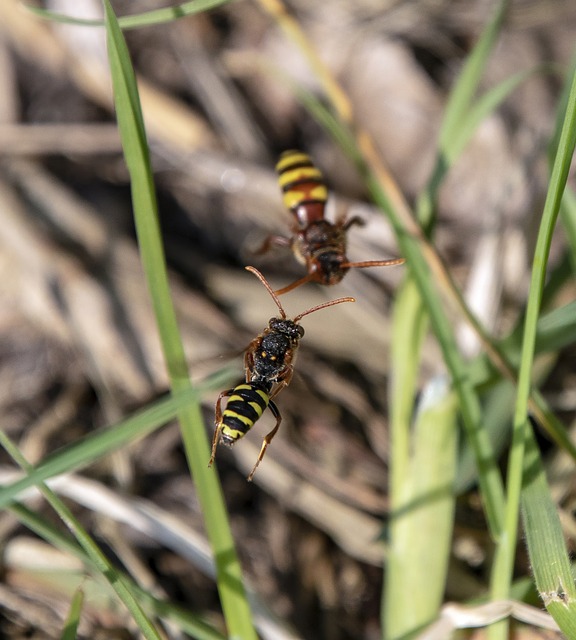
[[315, 241], [268, 365]]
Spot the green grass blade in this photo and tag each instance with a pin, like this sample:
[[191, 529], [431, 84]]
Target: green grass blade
[[70, 631], [145, 19], [456, 118], [97, 557], [415, 577], [545, 539], [490, 480], [194, 626], [568, 209], [482, 108], [232, 593], [463, 92], [101, 442], [504, 560], [568, 215], [409, 323]]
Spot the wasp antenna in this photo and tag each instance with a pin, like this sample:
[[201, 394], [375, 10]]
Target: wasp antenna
[[331, 303], [373, 263], [293, 285], [268, 288]]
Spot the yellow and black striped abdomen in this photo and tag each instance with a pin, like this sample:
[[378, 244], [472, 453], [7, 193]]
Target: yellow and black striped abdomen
[[246, 404], [303, 187]]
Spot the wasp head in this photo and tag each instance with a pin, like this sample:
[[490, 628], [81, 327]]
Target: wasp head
[[286, 327]]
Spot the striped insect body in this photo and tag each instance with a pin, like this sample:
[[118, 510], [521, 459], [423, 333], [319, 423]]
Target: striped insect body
[[304, 191], [268, 363], [246, 404], [315, 242]]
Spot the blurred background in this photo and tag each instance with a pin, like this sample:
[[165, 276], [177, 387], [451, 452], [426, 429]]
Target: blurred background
[[78, 347]]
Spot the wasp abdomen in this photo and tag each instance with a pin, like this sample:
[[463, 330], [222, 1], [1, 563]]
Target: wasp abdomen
[[304, 191], [246, 404]]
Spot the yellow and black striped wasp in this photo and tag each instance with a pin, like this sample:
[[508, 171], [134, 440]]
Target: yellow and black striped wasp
[[269, 365], [315, 241]]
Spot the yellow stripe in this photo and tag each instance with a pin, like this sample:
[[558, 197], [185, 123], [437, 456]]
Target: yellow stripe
[[291, 157], [233, 434], [300, 173], [293, 197], [242, 386], [233, 414], [263, 395], [235, 398], [257, 407]]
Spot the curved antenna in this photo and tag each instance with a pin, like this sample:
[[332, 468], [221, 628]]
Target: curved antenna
[[371, 263], [293, 285], [269, 289], [331, 303]]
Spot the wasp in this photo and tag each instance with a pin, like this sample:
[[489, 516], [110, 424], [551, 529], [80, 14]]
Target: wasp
[[315, 241], [268, 366]]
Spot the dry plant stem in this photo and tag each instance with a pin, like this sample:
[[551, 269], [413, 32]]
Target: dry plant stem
[[337, 95], [377, 167]]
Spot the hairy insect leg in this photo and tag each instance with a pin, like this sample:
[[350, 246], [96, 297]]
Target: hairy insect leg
[[272, 241], [249, 357], [268, 438], [218, 423], [353, 221], [284, 378]]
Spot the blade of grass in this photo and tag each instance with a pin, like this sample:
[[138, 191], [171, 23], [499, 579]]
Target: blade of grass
[[568, 209], [457, 113], [463, 92], [99, 443], [70, 631], [490, 480], [504, 559], [545, 539], [145, 19], [190, 624], [409, 324], [98, 559], [232, 593], [417, 564]]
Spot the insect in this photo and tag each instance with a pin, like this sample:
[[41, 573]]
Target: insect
[[269, 366], [315, 241]]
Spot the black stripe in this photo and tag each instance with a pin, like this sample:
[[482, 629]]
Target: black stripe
[[291, 186], [243, 408], [296, 165], [232, 422], [305, 203]]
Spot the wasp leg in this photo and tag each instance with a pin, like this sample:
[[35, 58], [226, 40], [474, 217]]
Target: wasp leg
[[218, 423], [268, 438], [355, 220], [272, 241], [249, 357], [297, 283], [284, 378]]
